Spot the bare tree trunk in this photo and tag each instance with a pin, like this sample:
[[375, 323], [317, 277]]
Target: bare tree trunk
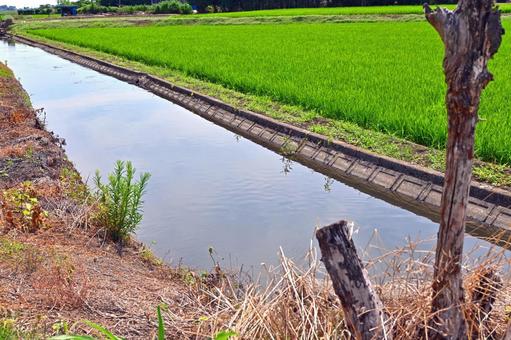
[[363, 310], [471, 35]]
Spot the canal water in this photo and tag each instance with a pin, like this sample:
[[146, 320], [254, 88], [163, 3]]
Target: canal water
[[209, 187]]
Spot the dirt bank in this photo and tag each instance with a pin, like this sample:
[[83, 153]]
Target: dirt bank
[[55, 266]]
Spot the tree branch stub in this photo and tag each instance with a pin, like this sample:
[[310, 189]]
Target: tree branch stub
[[363, 310]]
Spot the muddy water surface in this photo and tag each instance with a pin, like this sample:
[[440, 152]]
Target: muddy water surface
[[209, 187]]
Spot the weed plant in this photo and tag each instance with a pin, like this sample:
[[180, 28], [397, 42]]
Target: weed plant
[[121, 200]]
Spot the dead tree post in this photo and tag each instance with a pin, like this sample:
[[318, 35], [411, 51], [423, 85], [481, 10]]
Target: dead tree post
[[471, 35], [363, 310]]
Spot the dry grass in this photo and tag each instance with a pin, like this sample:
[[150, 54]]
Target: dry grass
[[293, 301]]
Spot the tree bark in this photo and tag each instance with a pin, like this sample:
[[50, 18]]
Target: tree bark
[[471, 35], [363, 310]]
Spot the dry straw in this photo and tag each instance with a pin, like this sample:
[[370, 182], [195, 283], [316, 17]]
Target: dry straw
[[292, 301]]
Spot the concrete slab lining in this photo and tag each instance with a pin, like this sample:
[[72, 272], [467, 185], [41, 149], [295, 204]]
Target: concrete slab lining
[[410, 186]]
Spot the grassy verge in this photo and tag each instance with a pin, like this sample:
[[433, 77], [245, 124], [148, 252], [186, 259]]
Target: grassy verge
[[381, 143]]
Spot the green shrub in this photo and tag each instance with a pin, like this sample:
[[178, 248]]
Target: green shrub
[[172, 7], [121, 200], [94, 9], [186, 8], [164, 7]]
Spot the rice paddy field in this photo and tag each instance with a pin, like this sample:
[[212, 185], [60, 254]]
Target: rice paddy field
[[385, 76], [366, 10]]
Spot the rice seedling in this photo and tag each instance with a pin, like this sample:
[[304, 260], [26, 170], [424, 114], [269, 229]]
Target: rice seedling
[[385, 76]]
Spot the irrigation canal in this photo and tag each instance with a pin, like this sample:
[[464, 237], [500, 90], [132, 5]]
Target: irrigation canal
[[209, 187]]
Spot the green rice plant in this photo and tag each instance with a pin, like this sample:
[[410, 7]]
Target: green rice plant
[[121, 199], [379, 76]]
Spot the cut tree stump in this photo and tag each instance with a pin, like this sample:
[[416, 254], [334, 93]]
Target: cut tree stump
[[471, 35], [363, 310]]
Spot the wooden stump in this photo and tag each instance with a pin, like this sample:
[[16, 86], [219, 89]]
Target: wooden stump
[[363, 310]]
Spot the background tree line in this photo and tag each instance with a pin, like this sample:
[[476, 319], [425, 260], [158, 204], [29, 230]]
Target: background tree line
[[237, 5], [250, 5]]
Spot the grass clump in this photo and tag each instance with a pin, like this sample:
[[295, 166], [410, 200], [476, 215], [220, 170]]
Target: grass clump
[[148, 256], [73, 185], [11, 249], [5, 72], [121, 200]]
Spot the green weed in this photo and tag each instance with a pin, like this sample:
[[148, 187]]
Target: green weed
[[10, 249], [23, 203], [148, 256], [5, 72], [224, 335], [9, 331], [121, 199], [106, 334]]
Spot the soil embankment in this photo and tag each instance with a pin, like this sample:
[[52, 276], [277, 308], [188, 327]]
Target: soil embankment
[[55, 268]]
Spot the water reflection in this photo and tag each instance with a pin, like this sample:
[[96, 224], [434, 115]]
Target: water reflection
[[287, 165], [328, 184], [207, 190]]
